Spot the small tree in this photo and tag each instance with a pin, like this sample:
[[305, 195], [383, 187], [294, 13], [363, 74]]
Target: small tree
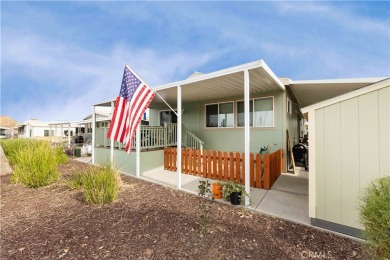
[[375, 217], [204, 205]]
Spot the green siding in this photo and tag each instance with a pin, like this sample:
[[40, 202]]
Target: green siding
[[231, 139], [127, 162]]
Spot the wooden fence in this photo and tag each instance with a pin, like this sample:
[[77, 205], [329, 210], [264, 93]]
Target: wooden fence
[[217, 165]]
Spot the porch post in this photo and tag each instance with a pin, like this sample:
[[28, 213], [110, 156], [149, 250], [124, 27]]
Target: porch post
[[138, 150], [112, 139], [179, 131], [247, 136], [93, 133], [69, 135]]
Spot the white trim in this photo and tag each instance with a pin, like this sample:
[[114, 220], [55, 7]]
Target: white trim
[[355, 93], [337, 81], [312, 164]]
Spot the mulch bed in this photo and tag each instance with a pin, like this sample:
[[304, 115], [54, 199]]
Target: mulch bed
[[149, 221]]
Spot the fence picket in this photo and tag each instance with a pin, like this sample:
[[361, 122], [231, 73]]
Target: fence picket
[[252, 170], [225, 165], [258, 171], [220, 172], [238, 167], [231, 170]]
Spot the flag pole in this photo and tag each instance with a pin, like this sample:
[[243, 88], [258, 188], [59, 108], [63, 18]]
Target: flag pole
[[135, 73]]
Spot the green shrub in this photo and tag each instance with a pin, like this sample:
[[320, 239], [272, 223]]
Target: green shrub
[[375, 217], [36, 166], [100, 184], [35, 162]]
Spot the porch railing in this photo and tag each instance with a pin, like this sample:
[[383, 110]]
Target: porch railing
[[153, 137], [264, 169]]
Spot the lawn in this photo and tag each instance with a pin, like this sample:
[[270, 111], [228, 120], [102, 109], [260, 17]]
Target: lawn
[[149, 221]]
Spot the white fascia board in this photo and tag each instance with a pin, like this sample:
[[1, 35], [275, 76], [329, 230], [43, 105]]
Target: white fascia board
[[337, 81], [378, 85], [219, 73], [272, 74]]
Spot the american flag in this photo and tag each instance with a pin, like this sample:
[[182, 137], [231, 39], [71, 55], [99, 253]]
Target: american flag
[[134, 98]]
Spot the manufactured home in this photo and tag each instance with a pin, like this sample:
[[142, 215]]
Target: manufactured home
[[221, 117]]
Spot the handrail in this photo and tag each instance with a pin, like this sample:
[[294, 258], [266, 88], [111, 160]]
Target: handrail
[[153, 137]]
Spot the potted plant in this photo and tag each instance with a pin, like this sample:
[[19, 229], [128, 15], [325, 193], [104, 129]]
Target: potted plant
[[217, 190], [232, 191]]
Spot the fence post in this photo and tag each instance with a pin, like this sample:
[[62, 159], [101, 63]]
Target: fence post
[[266, 172]]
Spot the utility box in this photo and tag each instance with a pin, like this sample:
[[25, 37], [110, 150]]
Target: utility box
[[77, 152]]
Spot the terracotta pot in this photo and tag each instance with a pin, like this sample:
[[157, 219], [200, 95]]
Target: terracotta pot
[[217, 191]]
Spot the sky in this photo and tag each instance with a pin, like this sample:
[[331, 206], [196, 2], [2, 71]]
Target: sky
[[59, 58]]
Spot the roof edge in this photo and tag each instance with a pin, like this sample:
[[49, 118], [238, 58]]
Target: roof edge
[[339, 81]]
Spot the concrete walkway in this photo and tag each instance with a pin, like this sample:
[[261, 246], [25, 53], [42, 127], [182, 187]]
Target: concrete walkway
[[5, 168], [287, 199]]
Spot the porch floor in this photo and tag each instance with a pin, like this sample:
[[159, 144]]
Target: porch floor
[[287, 199]]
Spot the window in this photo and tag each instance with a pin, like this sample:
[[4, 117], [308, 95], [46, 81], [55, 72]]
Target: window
[[261, 112], [48, 133], [241, 113], [289, 106], [220, 115], [167, 116]]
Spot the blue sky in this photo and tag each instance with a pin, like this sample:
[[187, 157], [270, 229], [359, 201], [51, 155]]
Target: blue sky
[[59, 58]]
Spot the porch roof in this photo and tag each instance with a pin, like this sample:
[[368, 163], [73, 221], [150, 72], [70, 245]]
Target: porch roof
[[220, 84], [309, 92]]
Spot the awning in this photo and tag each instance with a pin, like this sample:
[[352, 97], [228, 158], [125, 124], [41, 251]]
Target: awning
[[309, 92], [220, 84]]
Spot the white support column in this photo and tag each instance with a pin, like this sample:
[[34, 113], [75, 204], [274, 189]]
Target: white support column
[[51, 137], [112, 139], [179, 132], [93, 133], [247, 136], [138, 151], [69, 136], [312, 167], [62, 134]]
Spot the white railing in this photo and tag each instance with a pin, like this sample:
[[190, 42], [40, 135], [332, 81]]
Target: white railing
[[153, 137], [191, 141]]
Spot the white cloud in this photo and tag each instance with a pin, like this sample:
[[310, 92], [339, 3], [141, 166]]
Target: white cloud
[[81, 77]]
